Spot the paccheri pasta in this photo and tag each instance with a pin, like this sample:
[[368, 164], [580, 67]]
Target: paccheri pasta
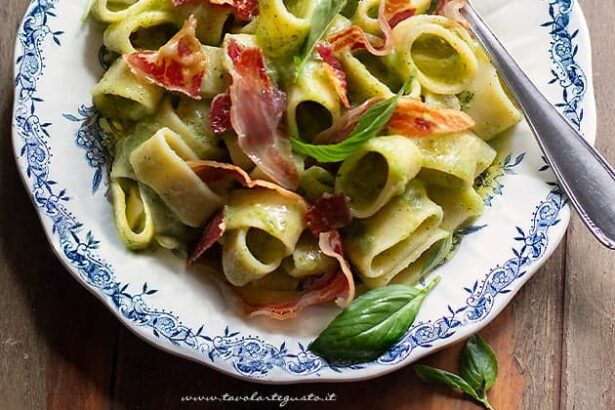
[[299, 146]]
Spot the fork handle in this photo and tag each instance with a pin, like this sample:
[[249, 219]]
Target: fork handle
[[585, 176]]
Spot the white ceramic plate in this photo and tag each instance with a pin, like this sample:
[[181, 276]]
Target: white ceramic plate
[[59, 150]]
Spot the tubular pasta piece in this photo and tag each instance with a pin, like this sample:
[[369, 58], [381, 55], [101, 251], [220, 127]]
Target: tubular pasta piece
[[211, 172]]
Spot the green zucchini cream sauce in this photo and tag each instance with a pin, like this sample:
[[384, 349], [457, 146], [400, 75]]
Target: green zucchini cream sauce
[[437, 59], [312, 119], [273, 218], [264, 247], [367, 180]]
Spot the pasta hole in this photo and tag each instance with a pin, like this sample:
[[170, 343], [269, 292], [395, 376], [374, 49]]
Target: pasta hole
[[135, 210], [298, 8], [435, 57], [373, 12], [312, 118], [152, 38], [366, 180], [264, 247], [229, 24]]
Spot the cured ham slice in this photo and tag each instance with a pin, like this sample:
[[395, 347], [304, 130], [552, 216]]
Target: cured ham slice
[[329, 213], [396, 11], [344, 125], [178, 66], [211, 234], [414, 118], [452, 10], [212, 173], [330, 244], [244, 10], [390, 13], [321, 291], [257, 108], [334, 71], [220, 114]]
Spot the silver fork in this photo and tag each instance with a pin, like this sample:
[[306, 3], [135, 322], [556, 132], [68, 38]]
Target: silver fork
[[585, 176]]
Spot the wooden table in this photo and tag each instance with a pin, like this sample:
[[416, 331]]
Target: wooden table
[[61, 349]]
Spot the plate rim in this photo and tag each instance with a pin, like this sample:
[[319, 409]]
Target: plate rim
[[290, 378]]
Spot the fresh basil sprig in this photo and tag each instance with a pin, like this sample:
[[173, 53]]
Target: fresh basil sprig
[[373, 323], [478, 368], [322, 19], [370, 124], [478, 364]]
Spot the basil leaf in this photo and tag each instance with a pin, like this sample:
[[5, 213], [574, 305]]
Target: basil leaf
[[372, 324], [430, 374], [370, 124], [479, 369], [322, 19], [478, 364]]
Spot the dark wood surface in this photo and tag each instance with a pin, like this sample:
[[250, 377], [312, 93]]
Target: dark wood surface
[[61, 349]]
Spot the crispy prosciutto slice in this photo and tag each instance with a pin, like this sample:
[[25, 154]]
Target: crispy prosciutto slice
[[179, 65], [211, 234], [414, 118], [219, 175], [325, 289], [390, 13], [452, 10], [244, 10], [220, 114], [330, 244], [335, 71], [330, 212], [257, 107], [396, 11], [344, 125]]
